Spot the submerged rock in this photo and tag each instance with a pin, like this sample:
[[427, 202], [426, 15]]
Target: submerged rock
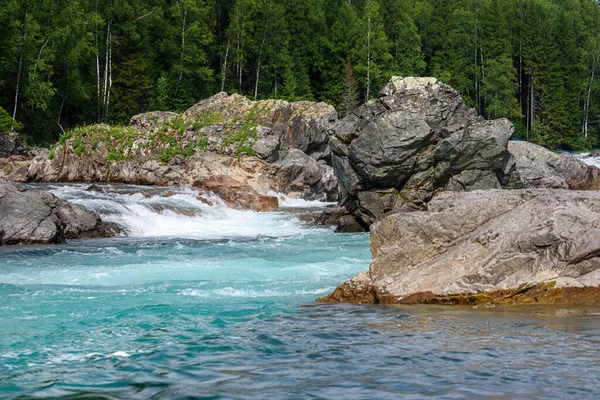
[[479, 246], [39, 217], [393, 154]]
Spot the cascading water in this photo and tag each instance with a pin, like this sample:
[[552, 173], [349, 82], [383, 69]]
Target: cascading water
[[588, 159], [201, 301]]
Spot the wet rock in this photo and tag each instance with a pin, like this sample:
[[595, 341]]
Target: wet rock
[[475, 244], [238, 195], [95, 188], [39, 217], [341, 219]]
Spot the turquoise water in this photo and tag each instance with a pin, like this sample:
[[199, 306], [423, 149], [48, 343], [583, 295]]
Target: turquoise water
[[170, 312]]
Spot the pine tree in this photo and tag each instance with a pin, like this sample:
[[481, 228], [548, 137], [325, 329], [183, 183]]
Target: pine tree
[[408, 55], [349, 100]]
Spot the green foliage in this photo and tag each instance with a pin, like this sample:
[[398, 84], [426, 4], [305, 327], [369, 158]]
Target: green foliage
[[6, 121], [207, 119], [79, 62]]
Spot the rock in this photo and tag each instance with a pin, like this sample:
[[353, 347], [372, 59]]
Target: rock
[[238, 195], [479, 246], [394, 153], [94, 188], [10, 145], [162, 148], [302, 175], [537, 167], [39, 217], [269, 127], [341, 219], [152, 121]]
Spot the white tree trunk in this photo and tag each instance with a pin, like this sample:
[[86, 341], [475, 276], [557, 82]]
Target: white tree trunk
[[368, 57], [224, 71], [14, 116], [259, 64], [39, 57], [182, 50], [105, 83], [109, 67], [60, 115], [586, 107]]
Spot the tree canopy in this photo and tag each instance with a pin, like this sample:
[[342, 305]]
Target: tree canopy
[[65, 63]]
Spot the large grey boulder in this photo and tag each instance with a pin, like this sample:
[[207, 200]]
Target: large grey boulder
[[39, 217], [468, 243], [417, 138], [302, 176], [10, 145], [538, 167]]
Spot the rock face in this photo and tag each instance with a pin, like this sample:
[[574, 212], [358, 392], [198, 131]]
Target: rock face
[[472, 244], [393, 154], [537, 167], [38, 217], [269, 128], [265, 145], [10, 145]]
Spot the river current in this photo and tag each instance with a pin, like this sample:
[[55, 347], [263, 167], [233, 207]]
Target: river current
[[203, 301]]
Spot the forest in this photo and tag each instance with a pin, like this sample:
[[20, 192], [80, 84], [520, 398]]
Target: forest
[[68, 63]]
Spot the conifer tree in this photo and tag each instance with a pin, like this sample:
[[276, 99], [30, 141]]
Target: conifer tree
[[349, 100]]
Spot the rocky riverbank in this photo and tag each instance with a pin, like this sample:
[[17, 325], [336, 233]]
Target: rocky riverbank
[[39, 217], [257, 147], [458, 213], [499, 246]]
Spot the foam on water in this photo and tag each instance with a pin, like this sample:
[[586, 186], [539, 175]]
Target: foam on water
[[219, 303], [585, 157], [292, 202], [178, 212]]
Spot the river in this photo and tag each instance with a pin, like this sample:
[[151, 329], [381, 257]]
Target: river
[[203, 301]]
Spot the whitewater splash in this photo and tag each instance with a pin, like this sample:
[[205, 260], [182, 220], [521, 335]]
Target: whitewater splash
[[182, 212], [586, 158]]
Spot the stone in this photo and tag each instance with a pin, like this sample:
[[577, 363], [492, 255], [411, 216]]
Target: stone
[[538, 167], [269, 145], [237, 195], [418, 138], [340, 218], [152, 121], [39, 217], [299, 173], [11, 145], [270, 127], [480, 245]]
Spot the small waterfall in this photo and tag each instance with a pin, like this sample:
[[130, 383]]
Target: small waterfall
[[183, 212], [586, 158]]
